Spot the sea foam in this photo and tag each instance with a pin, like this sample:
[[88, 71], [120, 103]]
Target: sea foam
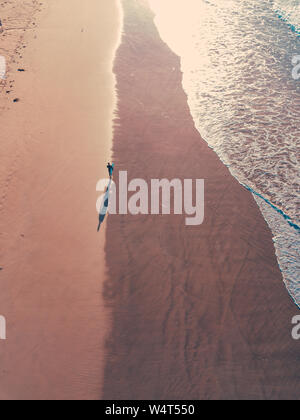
[[236, 58]]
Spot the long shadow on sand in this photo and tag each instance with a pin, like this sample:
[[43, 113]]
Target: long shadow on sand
[[104, 206], [197, 313]]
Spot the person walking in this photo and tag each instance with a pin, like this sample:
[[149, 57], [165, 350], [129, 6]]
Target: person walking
[[110, 168]]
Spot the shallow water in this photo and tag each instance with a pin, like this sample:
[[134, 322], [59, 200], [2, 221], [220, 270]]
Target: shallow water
[[238, 74]]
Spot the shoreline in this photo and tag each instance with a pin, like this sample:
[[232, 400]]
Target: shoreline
[[285, 231], [56, 142], [198, 313]]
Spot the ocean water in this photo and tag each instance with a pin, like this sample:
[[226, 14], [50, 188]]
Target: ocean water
[[239, 63]]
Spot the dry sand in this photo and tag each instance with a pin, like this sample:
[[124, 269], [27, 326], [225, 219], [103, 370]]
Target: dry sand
[[198, 312], [54, 146]]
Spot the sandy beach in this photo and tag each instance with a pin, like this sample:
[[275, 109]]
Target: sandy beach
[[148, 308], [55, 142], [198, 312]]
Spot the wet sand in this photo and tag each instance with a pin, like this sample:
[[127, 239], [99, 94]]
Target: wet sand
[[198, 312], [55, 143]]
